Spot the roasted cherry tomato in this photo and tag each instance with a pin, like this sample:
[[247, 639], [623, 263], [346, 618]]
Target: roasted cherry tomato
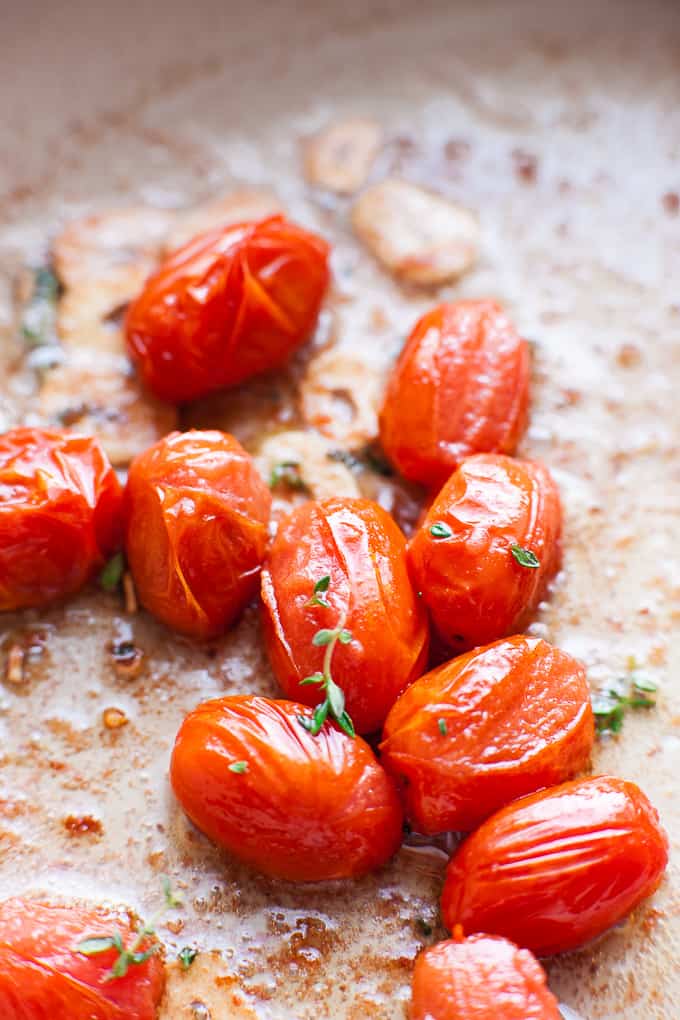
[[480, 978], [356, 546], [43, 976], [196, 515], [556, 869], [60, 515], [487, 548], [291, 805], [486, 728], [230, 304], [461, 386]]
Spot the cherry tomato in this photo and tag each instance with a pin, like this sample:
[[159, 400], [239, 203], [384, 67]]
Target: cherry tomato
[[555, 869], [196, 515], [60, 515], [230, 304], [480, 978], [359, 548], [486, 549], [461, 386], [291, 805], [486, 728], [43, 976]]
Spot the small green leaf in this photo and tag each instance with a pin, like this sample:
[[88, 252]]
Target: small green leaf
[[525, 557], [441, 530], [111, 575], [288, 473], [441, 723], [642, 684], [346, 724], [322, 584], [138, 958], [318, 600], [344, 637], [423, 927], [320, 716], [306, 722], [187, 956], [38, 323], [239, 767], [172, 899], [120, 967], [336, 699], [97, 944], [315, 678], [323, 637]]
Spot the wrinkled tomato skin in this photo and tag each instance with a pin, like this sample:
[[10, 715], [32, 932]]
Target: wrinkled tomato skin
[[558, 868], [517, 718], [460, 387], [43, 977], [196, 515], [307, 808], [472, 585], [232, 303], [480, 978], [358, 545], [60, 515]]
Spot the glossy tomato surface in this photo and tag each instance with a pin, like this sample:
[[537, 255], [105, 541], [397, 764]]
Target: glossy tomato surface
[[461, 557], [358, 546], [44, 977], [60, 515], [294, 805], [486, 728], [555, 869], [460, 386], [480, 978], [232, 303], [196, 516]]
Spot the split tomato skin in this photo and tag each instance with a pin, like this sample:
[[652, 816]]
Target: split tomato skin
[[60, 515], [460, 387], [461, 556], [196, 530], [482, 977], [558, 868], [360, 548], [516, 717], [232, 303], [305, 808], [44, 977]]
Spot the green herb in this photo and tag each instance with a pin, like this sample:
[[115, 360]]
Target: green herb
[[112, 574], [443, 729], [440, 530], [38, 322], [321, 586], [334, 703], [135, 954], [423, 927], [610, 706], [525, 557], [368, 458], [288, 473], [238, 766], [187, 956]]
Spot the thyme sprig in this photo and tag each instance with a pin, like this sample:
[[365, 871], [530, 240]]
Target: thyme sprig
[[610, 706], [333, 705]]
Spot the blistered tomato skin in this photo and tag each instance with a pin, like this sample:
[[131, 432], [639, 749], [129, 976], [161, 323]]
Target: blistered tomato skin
[[555, 869], [60, 515], [480, 978], [196, 515], [44, 977], [230, 304], [461, 556], [460, 387], [296, 806], [359, 547], [486, 728]]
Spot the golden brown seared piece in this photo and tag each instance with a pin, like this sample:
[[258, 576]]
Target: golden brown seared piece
[[340, 156], [102, 261]]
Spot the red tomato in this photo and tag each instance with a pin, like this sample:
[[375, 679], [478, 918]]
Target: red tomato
[[486, 728], [356, 544], [556, 869], [480, 978], [196, 516], [462, 559], [60, 515], [230, 304], [461, 386], [291, 805], [44, 977]]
